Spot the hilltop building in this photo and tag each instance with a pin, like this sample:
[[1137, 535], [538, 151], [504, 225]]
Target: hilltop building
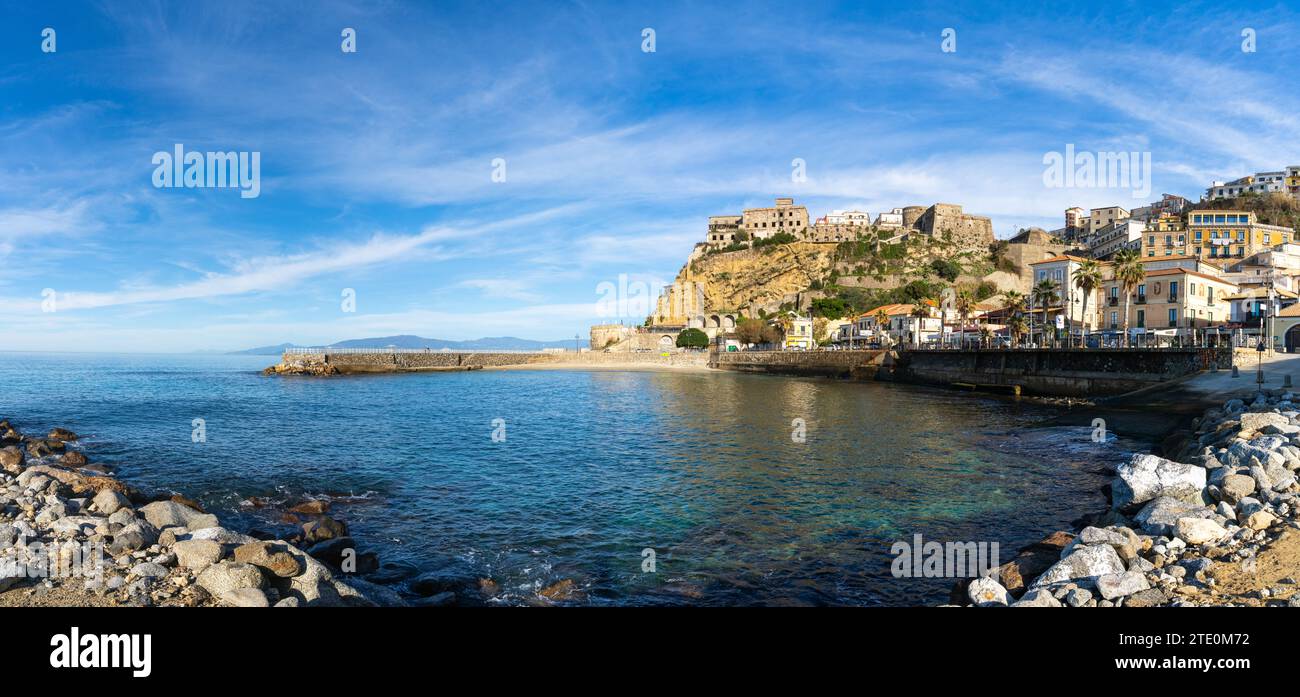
[[1281, 181]]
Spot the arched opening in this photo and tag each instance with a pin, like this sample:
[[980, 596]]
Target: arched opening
[[1293, 339], [714, 322], [729, 322]]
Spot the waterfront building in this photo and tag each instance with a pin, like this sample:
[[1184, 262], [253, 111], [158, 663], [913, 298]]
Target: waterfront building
[[1232, 234], [1169, 301], [1061, 271], [798, 331]]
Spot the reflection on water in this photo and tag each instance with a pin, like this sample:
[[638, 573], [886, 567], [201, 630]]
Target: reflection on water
[[595, 468]]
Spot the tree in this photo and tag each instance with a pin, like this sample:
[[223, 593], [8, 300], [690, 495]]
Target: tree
[[830, 308], [1087, 279], [920, 312], [965, 303], [1045, 295], [1017, 324], [756, 331], [1015, 308], [1130, 273], [820, 326], [692, 338], [946, 269]]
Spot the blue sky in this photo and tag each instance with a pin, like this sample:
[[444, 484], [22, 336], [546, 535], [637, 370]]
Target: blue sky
[[376, 166]]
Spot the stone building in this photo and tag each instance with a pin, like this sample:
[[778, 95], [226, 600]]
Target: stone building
[[758, 223], [946, 221]]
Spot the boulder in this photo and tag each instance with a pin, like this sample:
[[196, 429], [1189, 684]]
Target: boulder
[[197, 555], [1152, 597], [162, 514], [149, 569], [1197, 531], [72, 458], [1037, 598], [1260, 520], [1146, 477], [1159, 516], [1235, 487], [61, 434], [227, 576], [1083, 566], [272, 557], [323, 528], [985, 592], [1257, 421], [244, 597], [108, 502], [1112, 586], [133, 537], [12, 459]]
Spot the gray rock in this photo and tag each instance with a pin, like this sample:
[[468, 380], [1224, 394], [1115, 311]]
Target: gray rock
[[288, 602], [1114, 586], [149, 569], [244, 597], [985, 592], [1083, 567], [1159, 516], [1198, 531], [1151, 597], [197, 555], [133, 537], [108, 502], [1037, 598], [226, 576], [1236, 487], [163, 514], [1146, 477], [1078, 597]]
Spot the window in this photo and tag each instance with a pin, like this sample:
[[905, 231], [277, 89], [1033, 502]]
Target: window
[[1142, 318], [1173, 317], [1114, 320], [1173, 291], [1142, 290]]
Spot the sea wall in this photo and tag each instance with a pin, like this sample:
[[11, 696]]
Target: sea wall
[[1058, 372], [353, 362], [815, 363]]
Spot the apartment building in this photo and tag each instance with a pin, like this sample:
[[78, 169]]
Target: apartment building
[[1232, 234], [1123, 234], [1172, 298], [1258, 183], [1061, 271], [1100, 218]]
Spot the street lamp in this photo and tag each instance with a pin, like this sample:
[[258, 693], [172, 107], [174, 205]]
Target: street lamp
[[1259, 370]]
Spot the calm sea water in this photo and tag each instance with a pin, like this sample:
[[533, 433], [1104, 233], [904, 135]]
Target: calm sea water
[[595, 467]]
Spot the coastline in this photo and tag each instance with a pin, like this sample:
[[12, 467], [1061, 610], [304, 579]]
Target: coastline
[[1212, 521], [72, 534]]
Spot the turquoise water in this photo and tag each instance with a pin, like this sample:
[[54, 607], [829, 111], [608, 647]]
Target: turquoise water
[[594, 468]]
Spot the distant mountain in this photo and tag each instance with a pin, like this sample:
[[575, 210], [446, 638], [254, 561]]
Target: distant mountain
[[491, 343]]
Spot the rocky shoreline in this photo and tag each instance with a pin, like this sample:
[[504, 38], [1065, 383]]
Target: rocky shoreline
[[1216, 525], [72, 534]]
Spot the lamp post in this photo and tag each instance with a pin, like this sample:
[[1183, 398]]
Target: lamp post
[[1259, 370]]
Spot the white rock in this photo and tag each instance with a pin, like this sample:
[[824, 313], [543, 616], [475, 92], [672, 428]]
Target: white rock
[[1146, 477], [1197, 531], [985, 592]]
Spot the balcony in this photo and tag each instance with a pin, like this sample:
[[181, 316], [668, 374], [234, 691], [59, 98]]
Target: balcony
[[1173, 298], [1112, 301], [1141, 300]]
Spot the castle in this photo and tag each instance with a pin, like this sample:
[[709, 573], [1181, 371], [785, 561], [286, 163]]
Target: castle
[[942, 221]]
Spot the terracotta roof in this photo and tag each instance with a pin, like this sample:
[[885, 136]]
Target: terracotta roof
[[1259, 292], [1290, 311], [1189, 272], [891, 309], [1059, 257]]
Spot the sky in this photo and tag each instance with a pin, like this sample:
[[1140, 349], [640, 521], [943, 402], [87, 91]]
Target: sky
[[493, 169]]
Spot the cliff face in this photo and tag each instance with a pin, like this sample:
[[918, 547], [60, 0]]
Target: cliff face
[[751, 278]]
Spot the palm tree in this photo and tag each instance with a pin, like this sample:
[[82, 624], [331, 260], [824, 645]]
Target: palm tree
[[1017, 324], [882, 323], [1130, 272], [921, 310], [986, 335], [964, 304], [1015, 306], [1045, 295], [1087, 279]]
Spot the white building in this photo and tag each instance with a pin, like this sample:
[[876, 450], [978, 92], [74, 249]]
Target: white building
[[892, 219], [1125, 233]]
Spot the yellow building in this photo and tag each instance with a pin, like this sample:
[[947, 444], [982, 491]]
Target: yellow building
[[1166, 236], [1172, 298], [1231, 234]]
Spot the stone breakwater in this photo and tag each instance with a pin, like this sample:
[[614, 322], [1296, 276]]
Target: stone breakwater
[[378, 361], [1216, 525], [70, 533]]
